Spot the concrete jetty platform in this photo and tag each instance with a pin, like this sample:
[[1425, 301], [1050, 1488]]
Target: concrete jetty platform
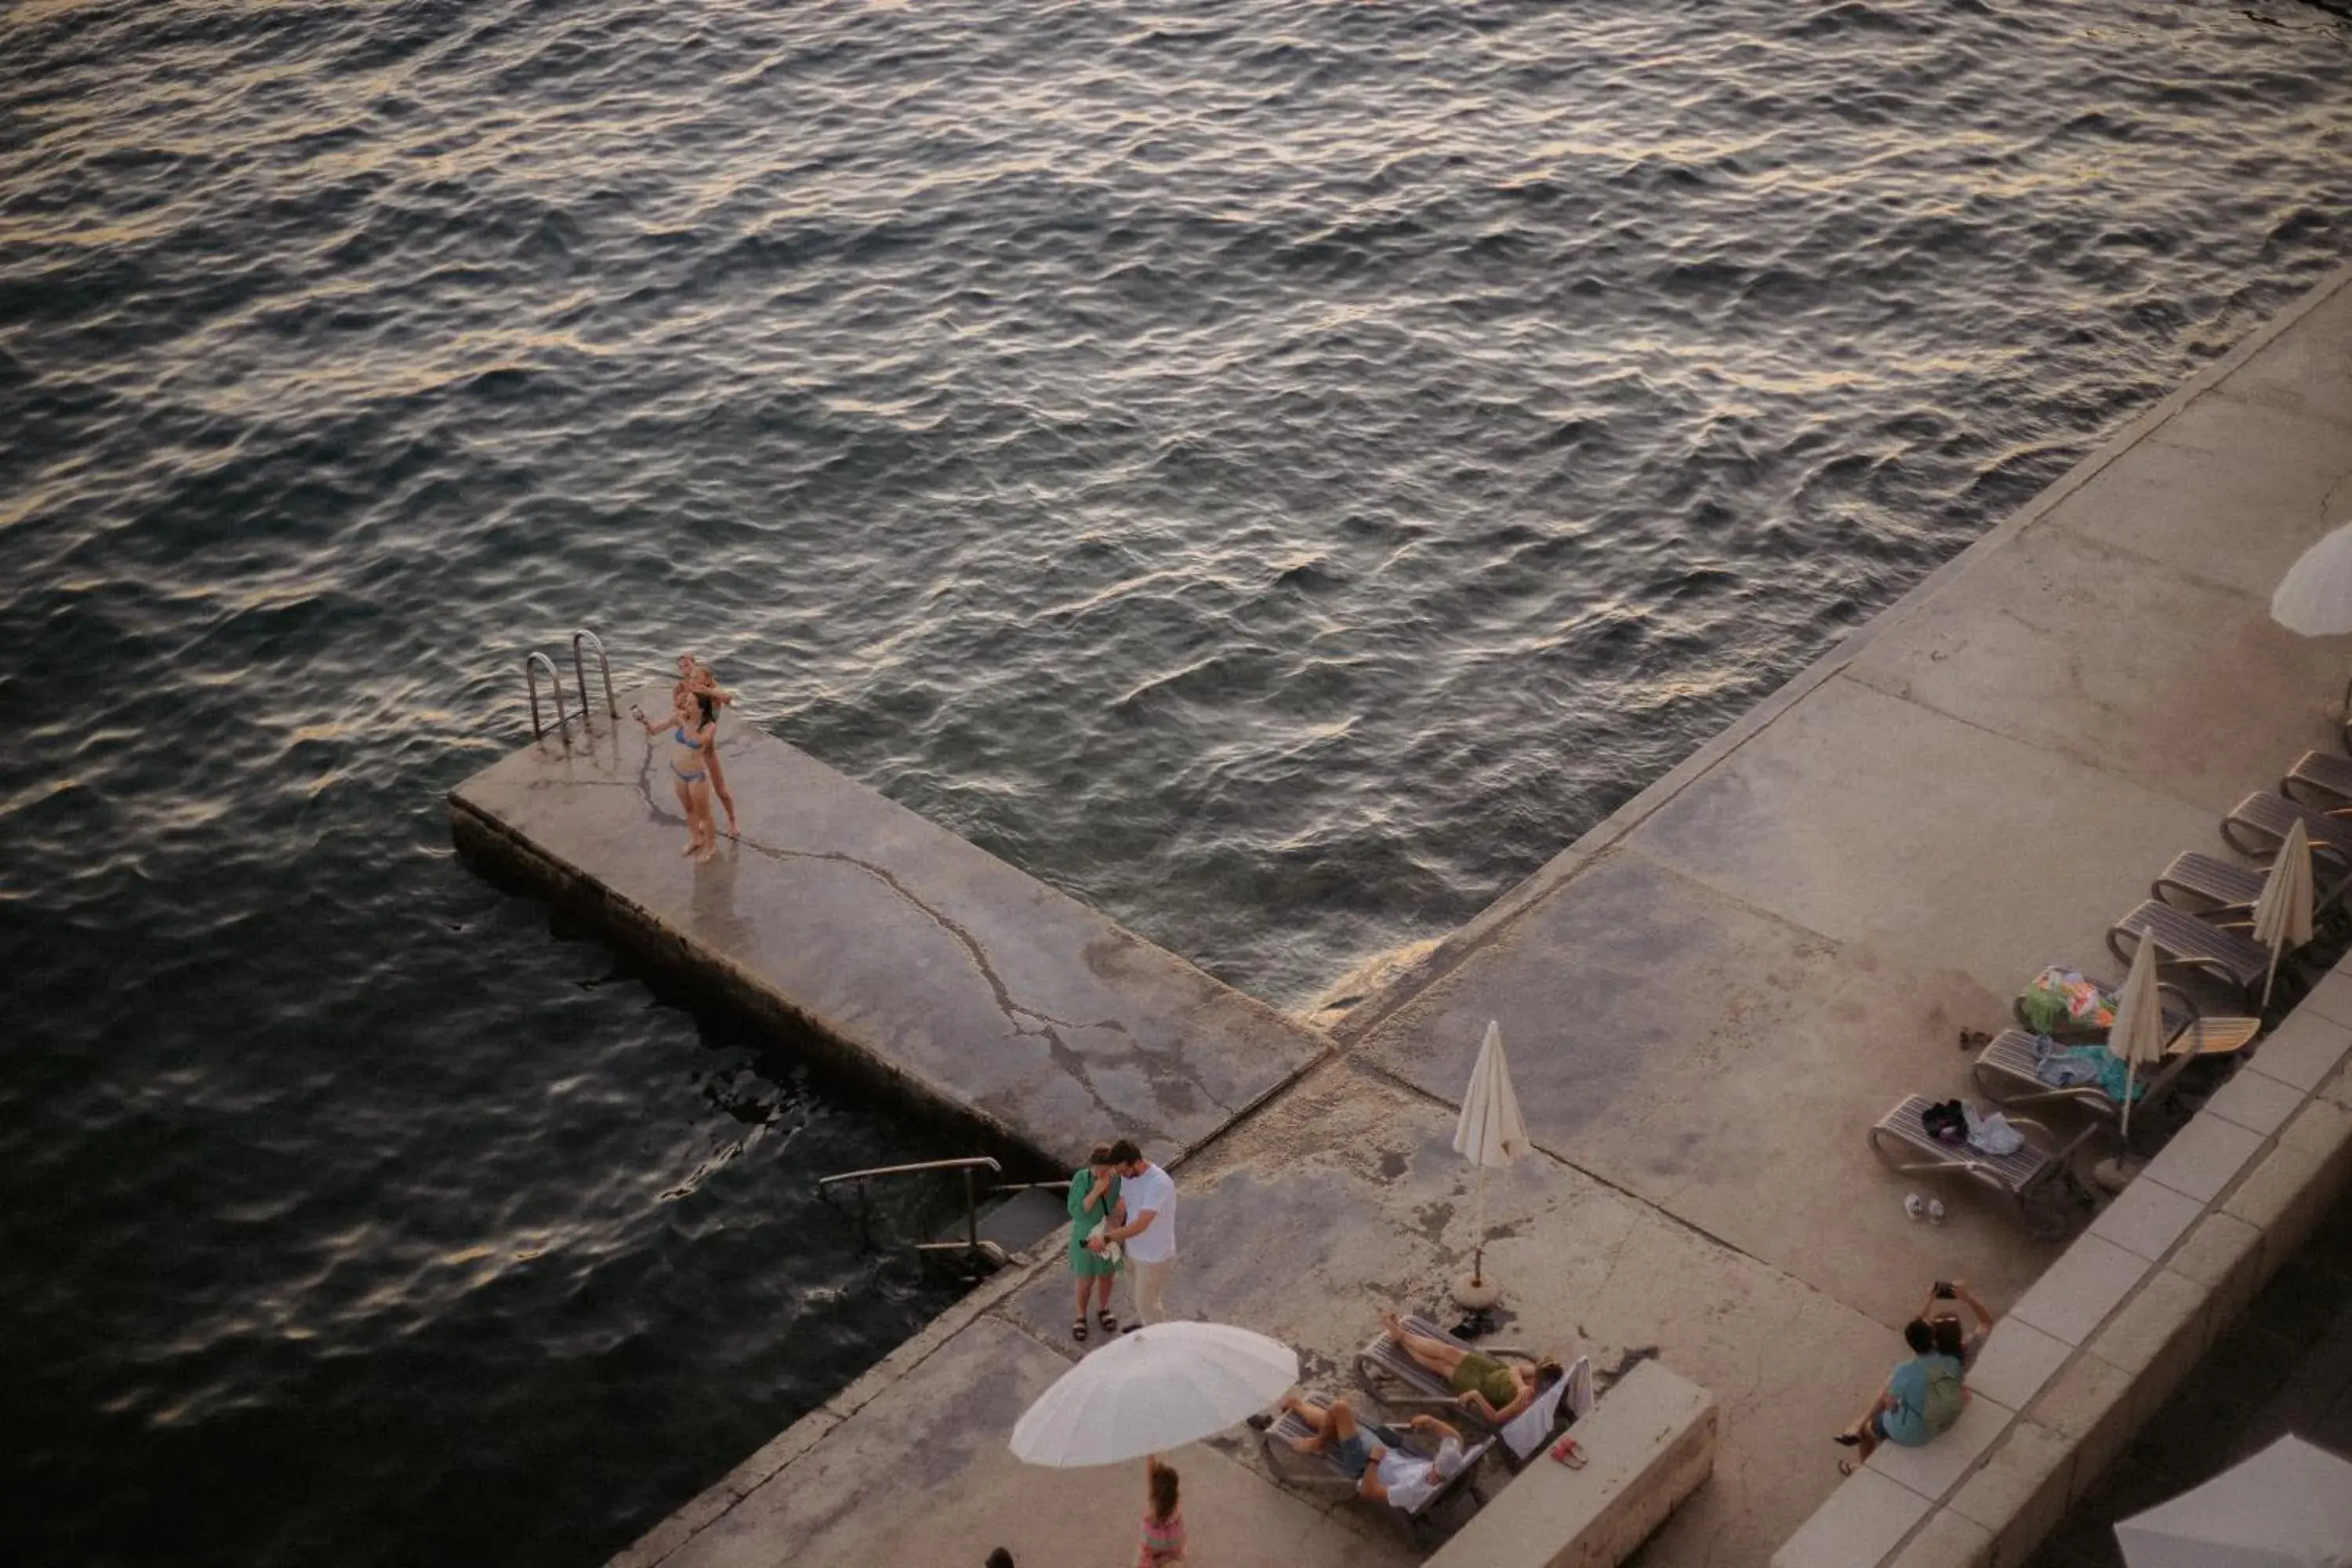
[[1707, 999], [903, 953]]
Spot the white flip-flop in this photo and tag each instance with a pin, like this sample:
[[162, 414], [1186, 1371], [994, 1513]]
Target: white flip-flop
[[1913, 1205]]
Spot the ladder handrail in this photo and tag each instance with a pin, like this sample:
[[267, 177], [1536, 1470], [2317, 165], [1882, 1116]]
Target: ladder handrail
[[968, 1161], [969, 1164], [531, 668], [612, 704]]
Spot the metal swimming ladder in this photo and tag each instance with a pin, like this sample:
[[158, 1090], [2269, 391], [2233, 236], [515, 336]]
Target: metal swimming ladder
[[535, 661], [531, 664], [612, 706], [970, 1245]]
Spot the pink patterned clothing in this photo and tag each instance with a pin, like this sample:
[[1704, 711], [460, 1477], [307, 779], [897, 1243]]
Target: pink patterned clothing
[[1163, 1541]]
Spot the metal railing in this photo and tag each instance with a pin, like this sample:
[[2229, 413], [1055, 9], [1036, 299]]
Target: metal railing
[[534, 662], [967, 1165], [531, 664], [612, 704]]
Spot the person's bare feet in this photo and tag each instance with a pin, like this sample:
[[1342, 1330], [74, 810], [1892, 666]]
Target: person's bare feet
[[690, 847], [1393, 1324]]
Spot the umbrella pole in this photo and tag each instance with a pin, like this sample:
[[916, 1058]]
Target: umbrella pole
[[2269, 975], [2130, 1066], [1479, 1252], [1473, 1292]]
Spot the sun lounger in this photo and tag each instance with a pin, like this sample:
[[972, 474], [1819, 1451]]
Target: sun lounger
[[2320, 779], [2184, 942], [2184, 1022], [2206, 885], [2257, 826], [1386, 1373], [2039, 1178], [1391, 1376], [2004, 1073], [1323, 1469], [2212, 887]]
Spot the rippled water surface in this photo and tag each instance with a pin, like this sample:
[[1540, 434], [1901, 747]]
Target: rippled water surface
[[1275, 469]]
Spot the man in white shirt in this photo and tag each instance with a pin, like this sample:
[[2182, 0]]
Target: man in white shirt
[[1384, 1472], [1149, 1232], [1405, 1479]]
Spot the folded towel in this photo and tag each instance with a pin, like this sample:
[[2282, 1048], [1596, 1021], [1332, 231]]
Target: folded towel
[[1530, 1429]]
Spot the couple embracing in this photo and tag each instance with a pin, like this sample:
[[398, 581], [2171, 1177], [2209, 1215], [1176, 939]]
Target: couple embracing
[[1122, 1214]]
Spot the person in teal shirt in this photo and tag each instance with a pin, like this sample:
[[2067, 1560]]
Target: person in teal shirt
[[1922, 1398], [1094, 1203]]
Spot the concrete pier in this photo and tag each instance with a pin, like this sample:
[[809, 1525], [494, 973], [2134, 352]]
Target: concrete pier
[[901, 952], [1707, 1001]]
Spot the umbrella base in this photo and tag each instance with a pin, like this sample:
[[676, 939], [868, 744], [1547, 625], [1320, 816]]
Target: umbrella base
[[1474, 1293]]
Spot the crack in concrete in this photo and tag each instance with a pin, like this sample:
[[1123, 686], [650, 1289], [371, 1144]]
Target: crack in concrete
[[1157, 1064]]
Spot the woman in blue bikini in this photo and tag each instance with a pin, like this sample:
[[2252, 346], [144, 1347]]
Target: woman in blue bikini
[[693, 731], [697, 678]]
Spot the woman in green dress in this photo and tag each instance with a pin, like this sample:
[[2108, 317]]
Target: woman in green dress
[[1094, 1201]]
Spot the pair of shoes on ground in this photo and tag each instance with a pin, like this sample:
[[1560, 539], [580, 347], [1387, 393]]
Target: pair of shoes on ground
[[1929, 1209]]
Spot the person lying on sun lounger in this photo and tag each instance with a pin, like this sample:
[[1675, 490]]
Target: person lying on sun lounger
[[1493, 1390], [1392, 1476]]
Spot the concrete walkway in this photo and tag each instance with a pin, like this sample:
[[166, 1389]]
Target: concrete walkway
[[1707, 1000]]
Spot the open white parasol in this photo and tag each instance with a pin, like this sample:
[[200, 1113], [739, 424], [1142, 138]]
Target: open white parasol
[[2290, 1506], [2315, 597], [1490, 1134], [2283, 914], [2138, 1034], [1160, 1387]]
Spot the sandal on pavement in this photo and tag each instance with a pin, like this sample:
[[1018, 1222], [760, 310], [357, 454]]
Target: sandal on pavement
[[1848, 1439], [1079, 1330], [1109, 1320], [1568, 1454], [1847, 1466]]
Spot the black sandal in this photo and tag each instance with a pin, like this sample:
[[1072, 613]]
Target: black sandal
[[1109, 1320], [1078, 1329]]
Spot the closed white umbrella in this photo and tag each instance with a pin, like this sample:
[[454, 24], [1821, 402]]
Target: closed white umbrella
[[2315, 597], [2138, 1034], [1157, 1388], [2283, 914], [1490, 1134], [2290, 1506]]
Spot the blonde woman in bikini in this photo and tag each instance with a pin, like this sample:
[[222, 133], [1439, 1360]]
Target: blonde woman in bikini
[[693, 731], [700, 679]]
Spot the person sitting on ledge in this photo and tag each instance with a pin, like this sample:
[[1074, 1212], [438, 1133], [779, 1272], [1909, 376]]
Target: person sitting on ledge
[[1392, 1476], [1921, 1399], [1491, 1389]]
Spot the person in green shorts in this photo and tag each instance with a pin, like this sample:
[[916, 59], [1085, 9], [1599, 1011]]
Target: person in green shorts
[[1094, 1201], [1493, 1390]]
